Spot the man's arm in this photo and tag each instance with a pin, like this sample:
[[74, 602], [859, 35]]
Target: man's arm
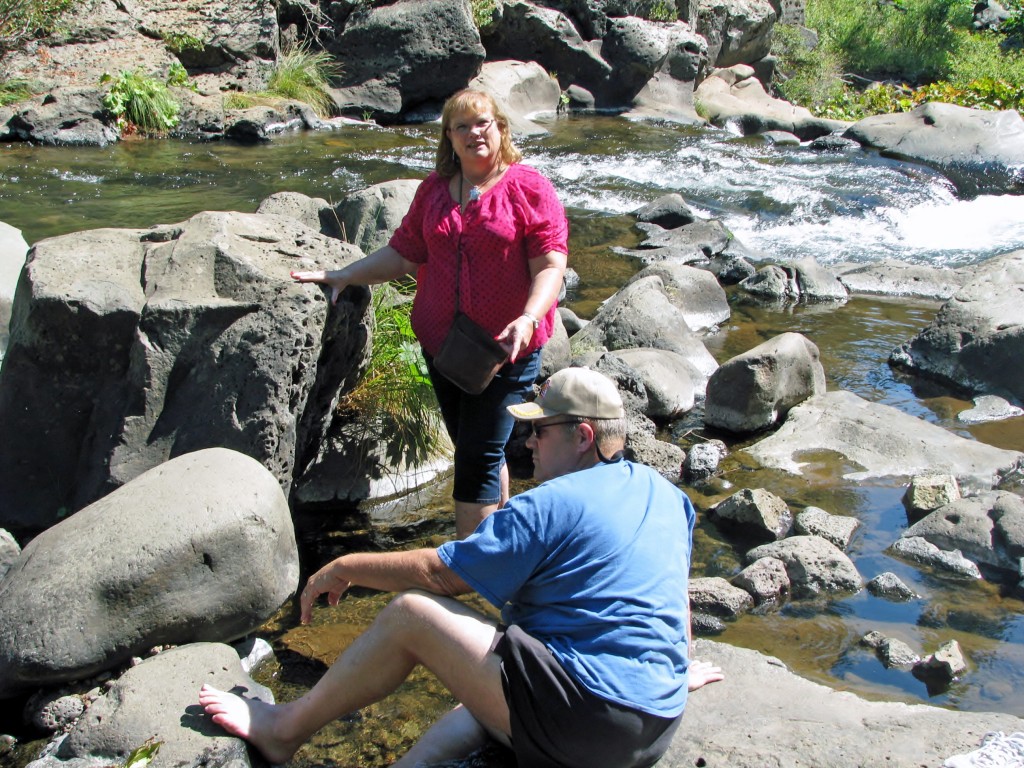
[[386, 571]]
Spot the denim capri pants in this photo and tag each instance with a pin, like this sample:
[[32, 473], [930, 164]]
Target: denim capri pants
[[480, 425]]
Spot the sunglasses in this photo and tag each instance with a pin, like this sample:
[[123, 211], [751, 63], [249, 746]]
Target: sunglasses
[[537, 430]]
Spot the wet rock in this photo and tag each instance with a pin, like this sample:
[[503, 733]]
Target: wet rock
[[698, 242], [780, 138], [800, 281], [946, 664], [919, 550], [253, 652], [814, 566], [833, 143], [765, 580], [838, 529], [753, 513], [976, 340], [756, 389], [668, 212], [891, 587], [873, 639], [926, 493], [706, 625], [702, 460], [716, 596], [896, 653], [878, 441], [889, 277], [989, 408]]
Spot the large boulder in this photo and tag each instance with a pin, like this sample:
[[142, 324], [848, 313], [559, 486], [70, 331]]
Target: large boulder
[[733, 97], [695, 292], [130, 347], [890, 277], [199, 549], [12, 258], [522, 90], [397, 57], [878, 441], [980, 151], [368, 217], [737, 31], [814, 565], [668, 378], [755, 390], [976, 342]]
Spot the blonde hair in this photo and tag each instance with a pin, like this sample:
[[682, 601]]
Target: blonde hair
[[469, 100]]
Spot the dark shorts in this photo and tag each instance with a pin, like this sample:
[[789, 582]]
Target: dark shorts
[[479, 426], [557, 723]]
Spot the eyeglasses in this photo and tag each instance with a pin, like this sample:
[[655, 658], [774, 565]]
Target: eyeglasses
[[481, 126], [537, 430]]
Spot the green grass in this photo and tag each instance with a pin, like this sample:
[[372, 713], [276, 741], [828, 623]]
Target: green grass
[[305, 75], [14, 90], [394, 399], [876, 58], [140, 103], [24, 20]]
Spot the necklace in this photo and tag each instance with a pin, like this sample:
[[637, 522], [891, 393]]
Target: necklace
[[475, 191]]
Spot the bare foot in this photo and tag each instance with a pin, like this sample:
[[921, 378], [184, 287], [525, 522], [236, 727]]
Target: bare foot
[[702, 673], [249, 719]]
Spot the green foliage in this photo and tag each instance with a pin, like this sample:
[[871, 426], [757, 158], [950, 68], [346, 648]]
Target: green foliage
[[805, 75], [142, 756], [906, 39], [484, 12], [663, 11], [14, 90], [305, 75], [885, 98], [177, 42], [24, 20], [140, 103], [395, 399], [177, 75]]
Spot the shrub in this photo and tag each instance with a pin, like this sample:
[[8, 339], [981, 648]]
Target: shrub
[[483, 12], [177, 42], [806, 74], [140, 103], [394, 398], [305, 75], [14, 90]]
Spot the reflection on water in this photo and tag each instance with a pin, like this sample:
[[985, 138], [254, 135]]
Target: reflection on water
[[781, 202]]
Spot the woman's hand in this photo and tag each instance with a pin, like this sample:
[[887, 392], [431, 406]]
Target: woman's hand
[[328, 579], [333, 279], [516, 337]]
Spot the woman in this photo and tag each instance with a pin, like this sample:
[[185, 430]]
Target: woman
[[503, 223]]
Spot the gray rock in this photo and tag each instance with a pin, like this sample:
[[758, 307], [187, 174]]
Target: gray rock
[[891, 587], [313, 212], [157, 700], [668, 212], [754, 513], [715, 596], [64, 117], [765, 580], [9, 552], [926, 493], [368, 217], [989, 408], [814, 565], [149, 565], [919, 550], [136, 346], [947, 663], [838, 529], [697, 242], [896, 278], [12, 258], [780, 138], [756, 389], [669, 379], [401, 55], [523, 90], [702, 460], [571, 321], [738, 32], [54, 711], [556, 354], [673, 53], [694, 292], [988, 529], [733, 97], [977, 339], [878, 441], [989, 14], [979, 150], [822, 726], [803, 280], [896, 653]]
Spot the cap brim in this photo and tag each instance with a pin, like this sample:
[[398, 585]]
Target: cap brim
[[527, 411]]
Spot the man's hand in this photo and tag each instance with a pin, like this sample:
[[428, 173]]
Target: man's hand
[[702, 673], [328, 579]]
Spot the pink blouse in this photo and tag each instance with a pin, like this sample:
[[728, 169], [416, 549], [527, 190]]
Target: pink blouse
[[517, 219]]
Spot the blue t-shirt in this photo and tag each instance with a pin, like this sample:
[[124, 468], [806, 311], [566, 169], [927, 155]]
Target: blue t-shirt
[[594, 564]]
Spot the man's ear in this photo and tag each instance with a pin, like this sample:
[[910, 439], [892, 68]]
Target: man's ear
[[585, 435]]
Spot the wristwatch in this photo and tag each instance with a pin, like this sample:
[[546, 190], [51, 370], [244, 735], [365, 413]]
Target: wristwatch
[[532, 319]]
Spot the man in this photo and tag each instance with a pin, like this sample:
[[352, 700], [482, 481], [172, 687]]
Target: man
[[589, 666]]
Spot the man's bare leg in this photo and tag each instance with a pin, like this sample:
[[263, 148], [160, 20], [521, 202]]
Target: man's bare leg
[[456, 735], [448, 638]]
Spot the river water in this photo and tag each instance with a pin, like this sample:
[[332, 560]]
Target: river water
[[782, 203]]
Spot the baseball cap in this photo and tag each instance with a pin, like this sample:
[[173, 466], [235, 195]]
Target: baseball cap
[[573, 392]]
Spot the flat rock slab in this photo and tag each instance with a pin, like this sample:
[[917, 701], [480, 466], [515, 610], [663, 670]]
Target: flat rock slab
[[881, 441], [762, 715]]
